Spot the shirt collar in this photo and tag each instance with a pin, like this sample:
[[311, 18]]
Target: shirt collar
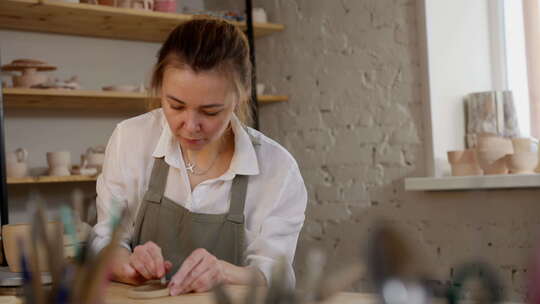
[[168, 146], [244, 160]]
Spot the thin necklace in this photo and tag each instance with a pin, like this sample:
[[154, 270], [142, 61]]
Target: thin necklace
[[191, 166]]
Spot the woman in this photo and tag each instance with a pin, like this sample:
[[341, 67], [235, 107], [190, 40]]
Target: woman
[[209, 199]]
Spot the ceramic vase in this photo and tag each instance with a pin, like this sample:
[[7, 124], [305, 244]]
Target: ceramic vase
[[59, 163]]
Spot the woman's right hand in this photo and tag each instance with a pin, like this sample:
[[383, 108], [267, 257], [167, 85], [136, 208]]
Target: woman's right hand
[[145, 263]]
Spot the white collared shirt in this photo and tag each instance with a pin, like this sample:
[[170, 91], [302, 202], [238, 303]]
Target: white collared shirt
[[275, 201]]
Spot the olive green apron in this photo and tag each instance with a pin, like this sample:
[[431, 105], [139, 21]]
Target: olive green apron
[[178, 232]]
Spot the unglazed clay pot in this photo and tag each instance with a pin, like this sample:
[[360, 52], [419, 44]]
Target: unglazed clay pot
[[525, 144], [11, 233], [464, 163], [95, 157], [492, 142], [16, 166], [29, 69], [59, 163], [493, 162], [522, 162]]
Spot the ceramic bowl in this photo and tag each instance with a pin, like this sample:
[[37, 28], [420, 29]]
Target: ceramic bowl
[[522, 162], [493, 162], [11, 233], [492, 142], [525, 144]]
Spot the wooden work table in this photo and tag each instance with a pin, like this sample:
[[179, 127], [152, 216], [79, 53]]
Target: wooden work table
[[116, 293]]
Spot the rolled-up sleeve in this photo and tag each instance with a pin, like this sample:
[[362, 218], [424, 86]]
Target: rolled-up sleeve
[[280, 229], [111, 196]]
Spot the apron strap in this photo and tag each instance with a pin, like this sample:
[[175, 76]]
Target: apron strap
[[158, 180], [239, 190], [238, 199]]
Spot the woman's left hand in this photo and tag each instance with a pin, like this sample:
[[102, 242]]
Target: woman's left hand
[[199, 273]]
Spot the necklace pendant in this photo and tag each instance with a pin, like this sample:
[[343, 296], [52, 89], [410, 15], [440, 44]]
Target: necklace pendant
[[190, 167]]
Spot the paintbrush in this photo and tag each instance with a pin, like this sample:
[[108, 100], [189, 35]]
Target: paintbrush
[[251, 296], [39, 293], [315, 262], [96, 275], [278, 292], [27, 276]]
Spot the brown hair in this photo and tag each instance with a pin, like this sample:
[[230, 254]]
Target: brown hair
[[205, 44]]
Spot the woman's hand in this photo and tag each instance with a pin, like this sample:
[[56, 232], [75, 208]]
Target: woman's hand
[[199, 273], [145, 263]]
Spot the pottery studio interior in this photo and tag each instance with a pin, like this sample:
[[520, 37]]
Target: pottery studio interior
[[302, 151]]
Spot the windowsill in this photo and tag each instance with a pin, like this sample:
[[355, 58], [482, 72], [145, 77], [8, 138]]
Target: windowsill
[[472, 182]]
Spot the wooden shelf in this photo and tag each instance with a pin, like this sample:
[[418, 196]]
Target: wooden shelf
[[55, 16], [16, 98], [51, 179], [483, 182], [19, 98]]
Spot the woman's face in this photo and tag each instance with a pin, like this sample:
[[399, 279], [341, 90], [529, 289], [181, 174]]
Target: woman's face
[[197, 106]]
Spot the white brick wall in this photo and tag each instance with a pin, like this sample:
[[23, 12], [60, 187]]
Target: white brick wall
[[354, 123]]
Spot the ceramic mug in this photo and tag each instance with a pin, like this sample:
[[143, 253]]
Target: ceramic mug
[[11, 233]]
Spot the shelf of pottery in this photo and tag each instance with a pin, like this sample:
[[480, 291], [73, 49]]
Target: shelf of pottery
[[129, 20], [141, 20], [493, 138], [60, 168]]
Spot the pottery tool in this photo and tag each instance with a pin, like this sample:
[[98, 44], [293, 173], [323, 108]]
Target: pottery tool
[[150, 290]]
